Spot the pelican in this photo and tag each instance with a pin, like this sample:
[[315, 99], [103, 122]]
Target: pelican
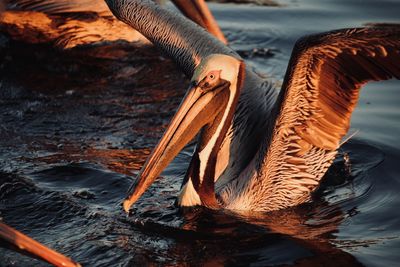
[[69, 23], [258, 148]]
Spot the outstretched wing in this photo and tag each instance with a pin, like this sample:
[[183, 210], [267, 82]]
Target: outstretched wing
[[67, 23], [53, 7], [313, 110], [91, 21]]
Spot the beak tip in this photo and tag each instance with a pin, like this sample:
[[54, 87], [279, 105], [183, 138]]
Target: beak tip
[[126, 205]]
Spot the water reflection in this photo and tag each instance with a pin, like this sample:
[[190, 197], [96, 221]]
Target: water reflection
[[158, 231], [222, 237]]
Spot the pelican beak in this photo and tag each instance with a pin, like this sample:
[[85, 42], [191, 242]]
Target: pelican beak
[[198, 108], [24, 244], [197, 10]]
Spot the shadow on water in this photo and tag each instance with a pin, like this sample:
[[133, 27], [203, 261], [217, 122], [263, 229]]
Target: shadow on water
[[76, 126]]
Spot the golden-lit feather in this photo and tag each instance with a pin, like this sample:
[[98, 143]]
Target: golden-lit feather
[[312, 114], [279, 150], [68, 23]]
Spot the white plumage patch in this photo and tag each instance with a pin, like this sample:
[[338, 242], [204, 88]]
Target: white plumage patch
[[229, 67], [188, 195]]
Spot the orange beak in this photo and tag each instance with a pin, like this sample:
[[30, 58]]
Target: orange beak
[[196, 110]]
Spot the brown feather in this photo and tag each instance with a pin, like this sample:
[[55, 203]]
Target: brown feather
[[312, 114], [66, 23], [318, 96]]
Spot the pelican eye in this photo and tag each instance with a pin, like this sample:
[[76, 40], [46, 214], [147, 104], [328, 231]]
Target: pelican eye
[[210, 80]]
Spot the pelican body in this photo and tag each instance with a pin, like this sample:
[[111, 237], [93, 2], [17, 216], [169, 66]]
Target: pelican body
[[258, 149], [69, 23]]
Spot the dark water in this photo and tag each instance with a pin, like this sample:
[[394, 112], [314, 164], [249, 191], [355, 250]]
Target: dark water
[[76, 126]]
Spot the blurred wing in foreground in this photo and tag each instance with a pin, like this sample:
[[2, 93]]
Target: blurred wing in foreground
[[24, 244]]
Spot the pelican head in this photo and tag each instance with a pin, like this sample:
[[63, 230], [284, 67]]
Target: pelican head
[[208, 108]]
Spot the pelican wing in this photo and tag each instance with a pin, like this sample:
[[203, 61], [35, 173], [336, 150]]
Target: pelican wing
[[87, 22], [53, 7], [313, 111], [324, 76], [91, 21]]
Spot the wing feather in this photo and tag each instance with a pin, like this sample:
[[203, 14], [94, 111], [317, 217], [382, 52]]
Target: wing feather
[[53, 7], [319, 94], [313, 111], [67, 23]]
